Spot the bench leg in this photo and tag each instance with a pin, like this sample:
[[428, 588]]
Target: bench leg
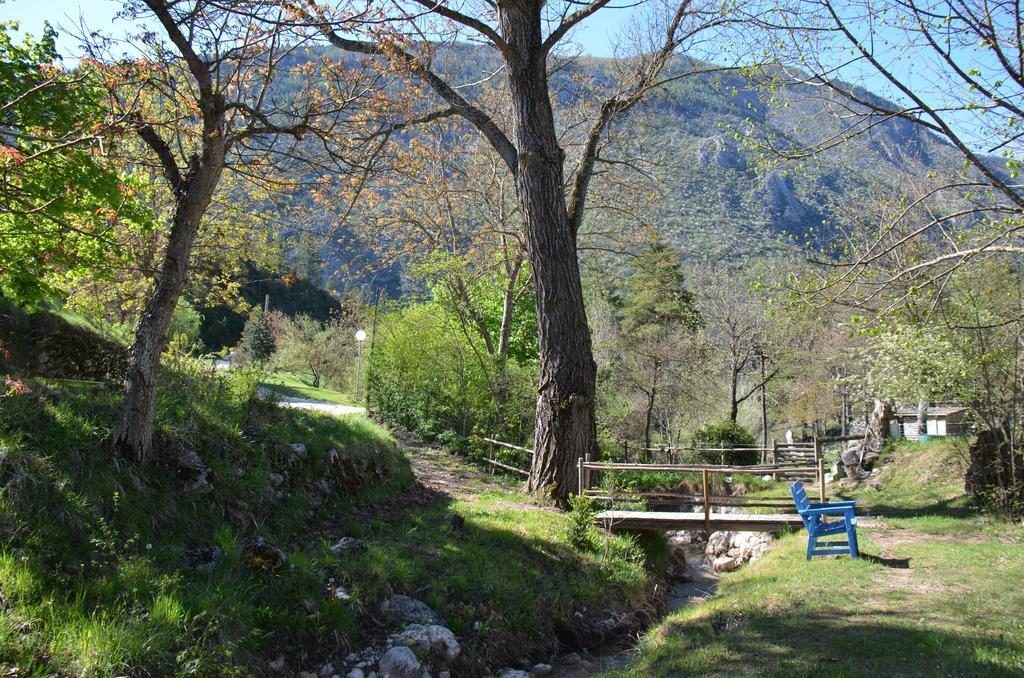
[[811, 543], [851, 538]]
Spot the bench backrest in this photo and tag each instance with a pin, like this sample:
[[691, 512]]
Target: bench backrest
[[801, 500]]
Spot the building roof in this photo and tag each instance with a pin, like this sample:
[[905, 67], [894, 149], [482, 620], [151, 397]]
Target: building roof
[[939, 411]]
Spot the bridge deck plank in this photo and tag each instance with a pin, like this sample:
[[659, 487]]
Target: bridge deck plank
[[673, 520]]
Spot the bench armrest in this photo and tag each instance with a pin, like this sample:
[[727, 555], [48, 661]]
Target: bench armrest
[[829, 511], [827, 504]]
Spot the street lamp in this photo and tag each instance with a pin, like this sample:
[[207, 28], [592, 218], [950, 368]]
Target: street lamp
[[360, 338]]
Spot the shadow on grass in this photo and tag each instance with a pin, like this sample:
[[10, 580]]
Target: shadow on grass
[[830, 643], [895, 563], [955, 507]]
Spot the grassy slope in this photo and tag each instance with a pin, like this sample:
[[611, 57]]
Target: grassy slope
[[506, 582], [92, 579], [300, 385], [91, 568], [954, 611]]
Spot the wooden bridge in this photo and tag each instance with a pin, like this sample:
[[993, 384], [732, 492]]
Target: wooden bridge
[[794, 460], [707, 519]]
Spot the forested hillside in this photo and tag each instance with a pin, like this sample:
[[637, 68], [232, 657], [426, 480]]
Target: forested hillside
[[714, 191]]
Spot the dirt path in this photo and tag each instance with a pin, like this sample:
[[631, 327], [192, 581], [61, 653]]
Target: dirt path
[[334, 409], [444, 473]]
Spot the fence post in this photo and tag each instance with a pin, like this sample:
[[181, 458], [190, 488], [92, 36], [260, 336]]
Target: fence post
[[586, 475], [579, 476], [821, 479], [707, 506]]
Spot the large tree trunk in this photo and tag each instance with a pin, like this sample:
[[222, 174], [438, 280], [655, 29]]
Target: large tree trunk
[[134, 433], [565, 428]]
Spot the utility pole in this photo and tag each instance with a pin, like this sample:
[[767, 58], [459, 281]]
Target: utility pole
[[764, 397]]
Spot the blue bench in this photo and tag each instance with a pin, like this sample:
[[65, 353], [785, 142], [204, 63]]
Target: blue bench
[[814, 516]]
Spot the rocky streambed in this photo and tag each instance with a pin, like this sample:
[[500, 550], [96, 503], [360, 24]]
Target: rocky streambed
[[697, 561]]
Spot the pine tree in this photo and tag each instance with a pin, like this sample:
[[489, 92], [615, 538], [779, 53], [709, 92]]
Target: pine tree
[[658, 316], [656, 298], [257, 340]]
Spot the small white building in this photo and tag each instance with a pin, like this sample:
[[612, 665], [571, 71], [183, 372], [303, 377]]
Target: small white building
[[941, 421]]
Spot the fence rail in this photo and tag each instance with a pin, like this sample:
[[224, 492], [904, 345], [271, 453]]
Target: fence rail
[[586, 468], [502, 465]]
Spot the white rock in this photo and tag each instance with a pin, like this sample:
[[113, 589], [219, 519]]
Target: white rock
[[326, 671], [432, 641], [724, 564], [406, 610], [540, 669], [275, 479], [299, 450], [355, 673], [718, 543], [399, 662], [513, 673], [277, 665]]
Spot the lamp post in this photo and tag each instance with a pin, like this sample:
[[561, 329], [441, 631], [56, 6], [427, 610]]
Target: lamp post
[[360, 338]]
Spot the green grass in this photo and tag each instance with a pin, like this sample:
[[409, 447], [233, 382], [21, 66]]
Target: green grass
[[954, 611], [503, 580], [93, 579], [300, 385], [951, 613], [92, 576]]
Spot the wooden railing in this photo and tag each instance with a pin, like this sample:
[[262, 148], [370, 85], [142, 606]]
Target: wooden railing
[[507, 467], [586, 468]]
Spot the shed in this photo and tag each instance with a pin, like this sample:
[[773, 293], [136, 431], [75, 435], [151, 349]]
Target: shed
[[941, 421]]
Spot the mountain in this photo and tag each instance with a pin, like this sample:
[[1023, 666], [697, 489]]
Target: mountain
[[714, 201]]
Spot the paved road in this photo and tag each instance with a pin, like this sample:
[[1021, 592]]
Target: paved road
[[315, 405]]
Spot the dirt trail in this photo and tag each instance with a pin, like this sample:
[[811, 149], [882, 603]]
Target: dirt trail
[[444, 473]]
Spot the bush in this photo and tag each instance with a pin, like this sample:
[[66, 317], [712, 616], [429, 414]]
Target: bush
[[724, 435], [580, 532], [257, 339], [425, 376]]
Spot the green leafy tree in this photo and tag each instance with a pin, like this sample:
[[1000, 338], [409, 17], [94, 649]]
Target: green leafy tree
[[257, 339], [323, 348], [724, 435], [60, 201]]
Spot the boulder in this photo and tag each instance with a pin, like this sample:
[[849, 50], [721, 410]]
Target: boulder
[[718, 544], [275, 479], [263, 555], [355, 673], [399, 662], [299, 450], [347, 545], [434, 642], [202, 558], [195, 474], [724, 564], [540, 670], [401, 609]]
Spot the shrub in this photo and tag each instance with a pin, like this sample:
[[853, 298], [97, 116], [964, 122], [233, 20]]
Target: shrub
[[580, 532], [257, 340], [724, 435]]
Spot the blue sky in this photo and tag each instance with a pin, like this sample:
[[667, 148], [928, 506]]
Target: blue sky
[[596, 37]]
